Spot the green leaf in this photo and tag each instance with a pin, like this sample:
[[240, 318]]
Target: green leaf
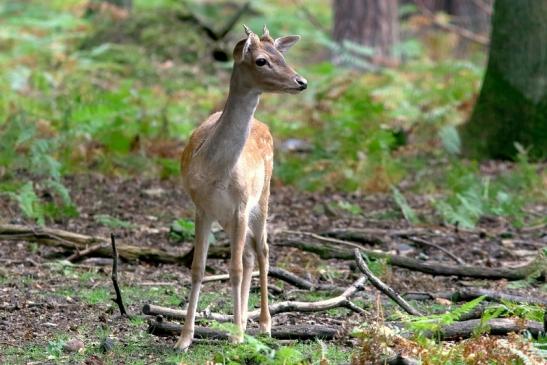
[[406, 209], [450, 139]]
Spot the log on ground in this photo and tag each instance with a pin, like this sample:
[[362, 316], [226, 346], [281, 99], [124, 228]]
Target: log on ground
[[330, 251], [80, 242], [498, 326], [300, 332]]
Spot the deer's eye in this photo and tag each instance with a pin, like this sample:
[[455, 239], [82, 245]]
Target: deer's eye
[[261, 62]]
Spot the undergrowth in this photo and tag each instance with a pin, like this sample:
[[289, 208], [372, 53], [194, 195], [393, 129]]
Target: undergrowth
[[118, 93], [378, 343]]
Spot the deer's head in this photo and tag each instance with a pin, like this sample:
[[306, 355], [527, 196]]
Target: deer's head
[[263, 64]]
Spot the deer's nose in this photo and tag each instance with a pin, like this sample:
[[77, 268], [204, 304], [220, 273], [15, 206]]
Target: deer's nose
[[302, 82]]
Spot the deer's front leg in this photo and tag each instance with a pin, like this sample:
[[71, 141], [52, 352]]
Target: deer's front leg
[[201, 244], [239, 234], [248, 266]]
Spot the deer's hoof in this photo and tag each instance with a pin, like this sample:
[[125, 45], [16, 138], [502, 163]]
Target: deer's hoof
[[266, 329], [236, 338], [182, 344]]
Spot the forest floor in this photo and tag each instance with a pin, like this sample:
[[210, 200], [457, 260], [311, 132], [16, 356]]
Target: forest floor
[[46, 301]]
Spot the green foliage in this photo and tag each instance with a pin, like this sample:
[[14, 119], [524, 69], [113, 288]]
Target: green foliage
[[530, 312], [469, 196], [359, 123], [54, 348], [37, 209], [432, 323], [29, 203], [540, 345], [406, 209], [112, 222], [450, 139], [116, 95], [182, 229], [346, 206], [95, 296], [256, 351]]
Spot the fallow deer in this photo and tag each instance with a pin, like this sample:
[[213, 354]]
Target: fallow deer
[[226, 169]]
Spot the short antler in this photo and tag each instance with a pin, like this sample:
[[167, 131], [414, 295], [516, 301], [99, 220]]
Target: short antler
[[247, 30]]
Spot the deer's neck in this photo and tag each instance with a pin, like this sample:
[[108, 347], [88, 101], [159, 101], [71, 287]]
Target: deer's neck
[[224, 146]]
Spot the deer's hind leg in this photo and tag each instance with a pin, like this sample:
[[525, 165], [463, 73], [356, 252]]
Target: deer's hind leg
[[201, 244]]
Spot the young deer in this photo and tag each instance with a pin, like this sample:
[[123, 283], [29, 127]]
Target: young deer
[[226, 169]]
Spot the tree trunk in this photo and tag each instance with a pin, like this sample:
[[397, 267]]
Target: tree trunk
[[370, 23], [473, 15], [512, 106]]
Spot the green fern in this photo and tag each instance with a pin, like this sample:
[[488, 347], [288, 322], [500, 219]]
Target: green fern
[[433, 323], [406, 209], [450, 139], [29, 203]]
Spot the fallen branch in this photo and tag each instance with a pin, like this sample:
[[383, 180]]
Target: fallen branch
[[374, 236], [74, 241], [341, 300], [472, 293], [384, 288], [423, 242], [222, 277], [325, 239], [299, 332], [329, 251], [281, 274], [115, 257], [328, 248], [462, 295], [297, 281], [78, 255], [371, 236], [179, 314], [498, 326]]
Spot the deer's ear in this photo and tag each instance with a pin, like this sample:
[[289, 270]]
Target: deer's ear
[[244, 47], [284, 43]]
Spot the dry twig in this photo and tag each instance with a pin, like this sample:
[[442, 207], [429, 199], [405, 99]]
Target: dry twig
[[115, 257], [384, 288], [430, 244], [80, 254]]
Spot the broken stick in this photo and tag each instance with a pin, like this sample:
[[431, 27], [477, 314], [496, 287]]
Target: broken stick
[[115, 257], [384, 288], [342, 300]]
